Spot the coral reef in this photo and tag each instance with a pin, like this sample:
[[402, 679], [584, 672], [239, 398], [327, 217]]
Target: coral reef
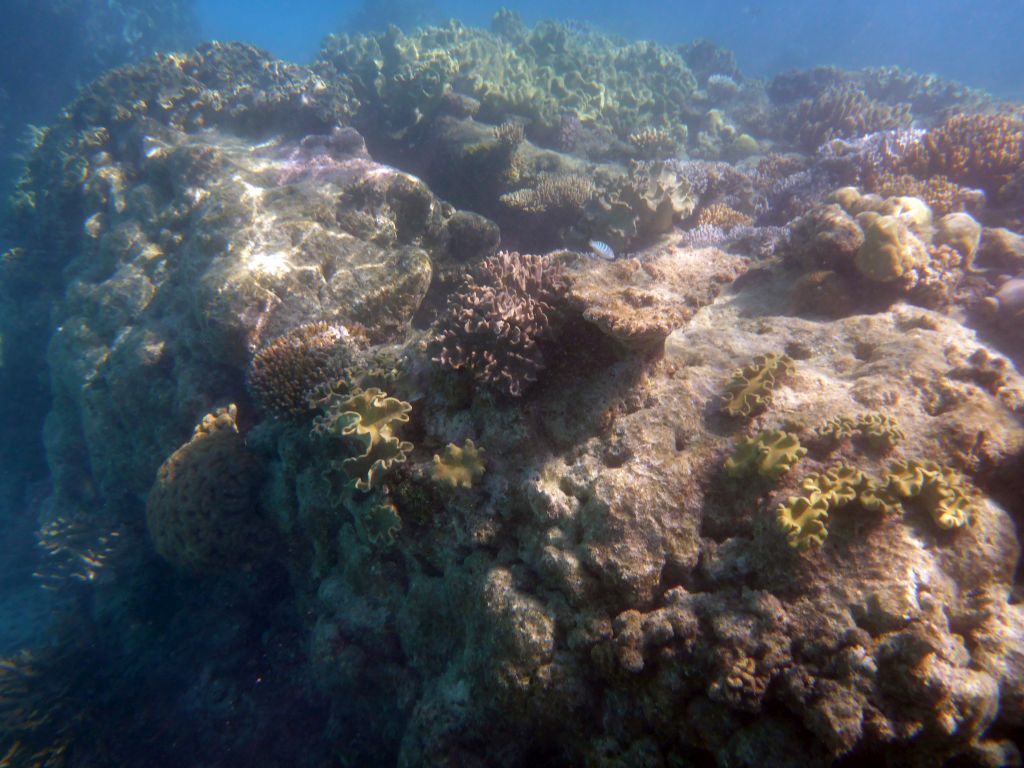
[[661, 565], [540, 74], [750, 388], [458, 466], [494, 327], [201, 512], [839, 113]]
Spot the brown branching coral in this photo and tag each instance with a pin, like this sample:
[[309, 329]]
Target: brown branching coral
[[656, 143], [510, 133], [493, 326], [978, 150], [564, 192], [942, 195], [284, 373], [842, 112], [202, 512], [722, 216]]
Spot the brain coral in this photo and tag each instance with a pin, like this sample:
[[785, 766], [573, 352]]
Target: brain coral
[[201, 512], [493, 326], [284, 374]]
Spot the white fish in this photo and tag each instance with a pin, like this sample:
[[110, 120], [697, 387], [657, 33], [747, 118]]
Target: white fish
[[603, 250]]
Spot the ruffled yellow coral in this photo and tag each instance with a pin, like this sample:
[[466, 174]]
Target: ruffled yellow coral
[[879, 430], [458, 467], [370, 418], [750, 388], [802, 518], [941, 490], [771, 454]]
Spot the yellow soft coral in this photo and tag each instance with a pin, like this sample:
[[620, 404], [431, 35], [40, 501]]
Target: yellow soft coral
[[771, 454], [369, 417], [458, 467], [941, 490], [750, 388]]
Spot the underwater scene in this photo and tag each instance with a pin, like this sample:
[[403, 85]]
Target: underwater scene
[[469, 385]]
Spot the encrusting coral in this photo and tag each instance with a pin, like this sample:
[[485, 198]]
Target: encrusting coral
[[750, 388], [458, 467], [369, 417], [494, 325], [284, 373], [771, 454], [202, 513]]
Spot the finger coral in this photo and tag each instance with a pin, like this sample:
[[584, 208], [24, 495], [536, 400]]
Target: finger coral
[[284, 374], [458, 467], [750, 388], [493, 327], [202, 513]]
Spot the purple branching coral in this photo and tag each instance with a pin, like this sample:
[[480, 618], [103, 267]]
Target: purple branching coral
[[493, 327]]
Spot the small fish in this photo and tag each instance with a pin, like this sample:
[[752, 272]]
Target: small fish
[[603, 250]]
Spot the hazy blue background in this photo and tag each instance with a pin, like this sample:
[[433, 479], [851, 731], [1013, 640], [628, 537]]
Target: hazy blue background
[[979, 42]]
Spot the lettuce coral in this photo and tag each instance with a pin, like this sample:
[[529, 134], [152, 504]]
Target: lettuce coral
[[770, 455], [458, 467], [370, 417], [750, 389]]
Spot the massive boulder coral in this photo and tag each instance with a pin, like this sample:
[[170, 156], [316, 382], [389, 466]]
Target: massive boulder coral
[[496, 325], [202, 512]]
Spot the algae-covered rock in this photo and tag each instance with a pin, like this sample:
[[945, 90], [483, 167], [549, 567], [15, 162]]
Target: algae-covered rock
[[639, 303]]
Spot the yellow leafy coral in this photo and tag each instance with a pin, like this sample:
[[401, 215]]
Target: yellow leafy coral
[[770, 455], [941, 490], [458, 467], [750, 389], [370, 417]]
